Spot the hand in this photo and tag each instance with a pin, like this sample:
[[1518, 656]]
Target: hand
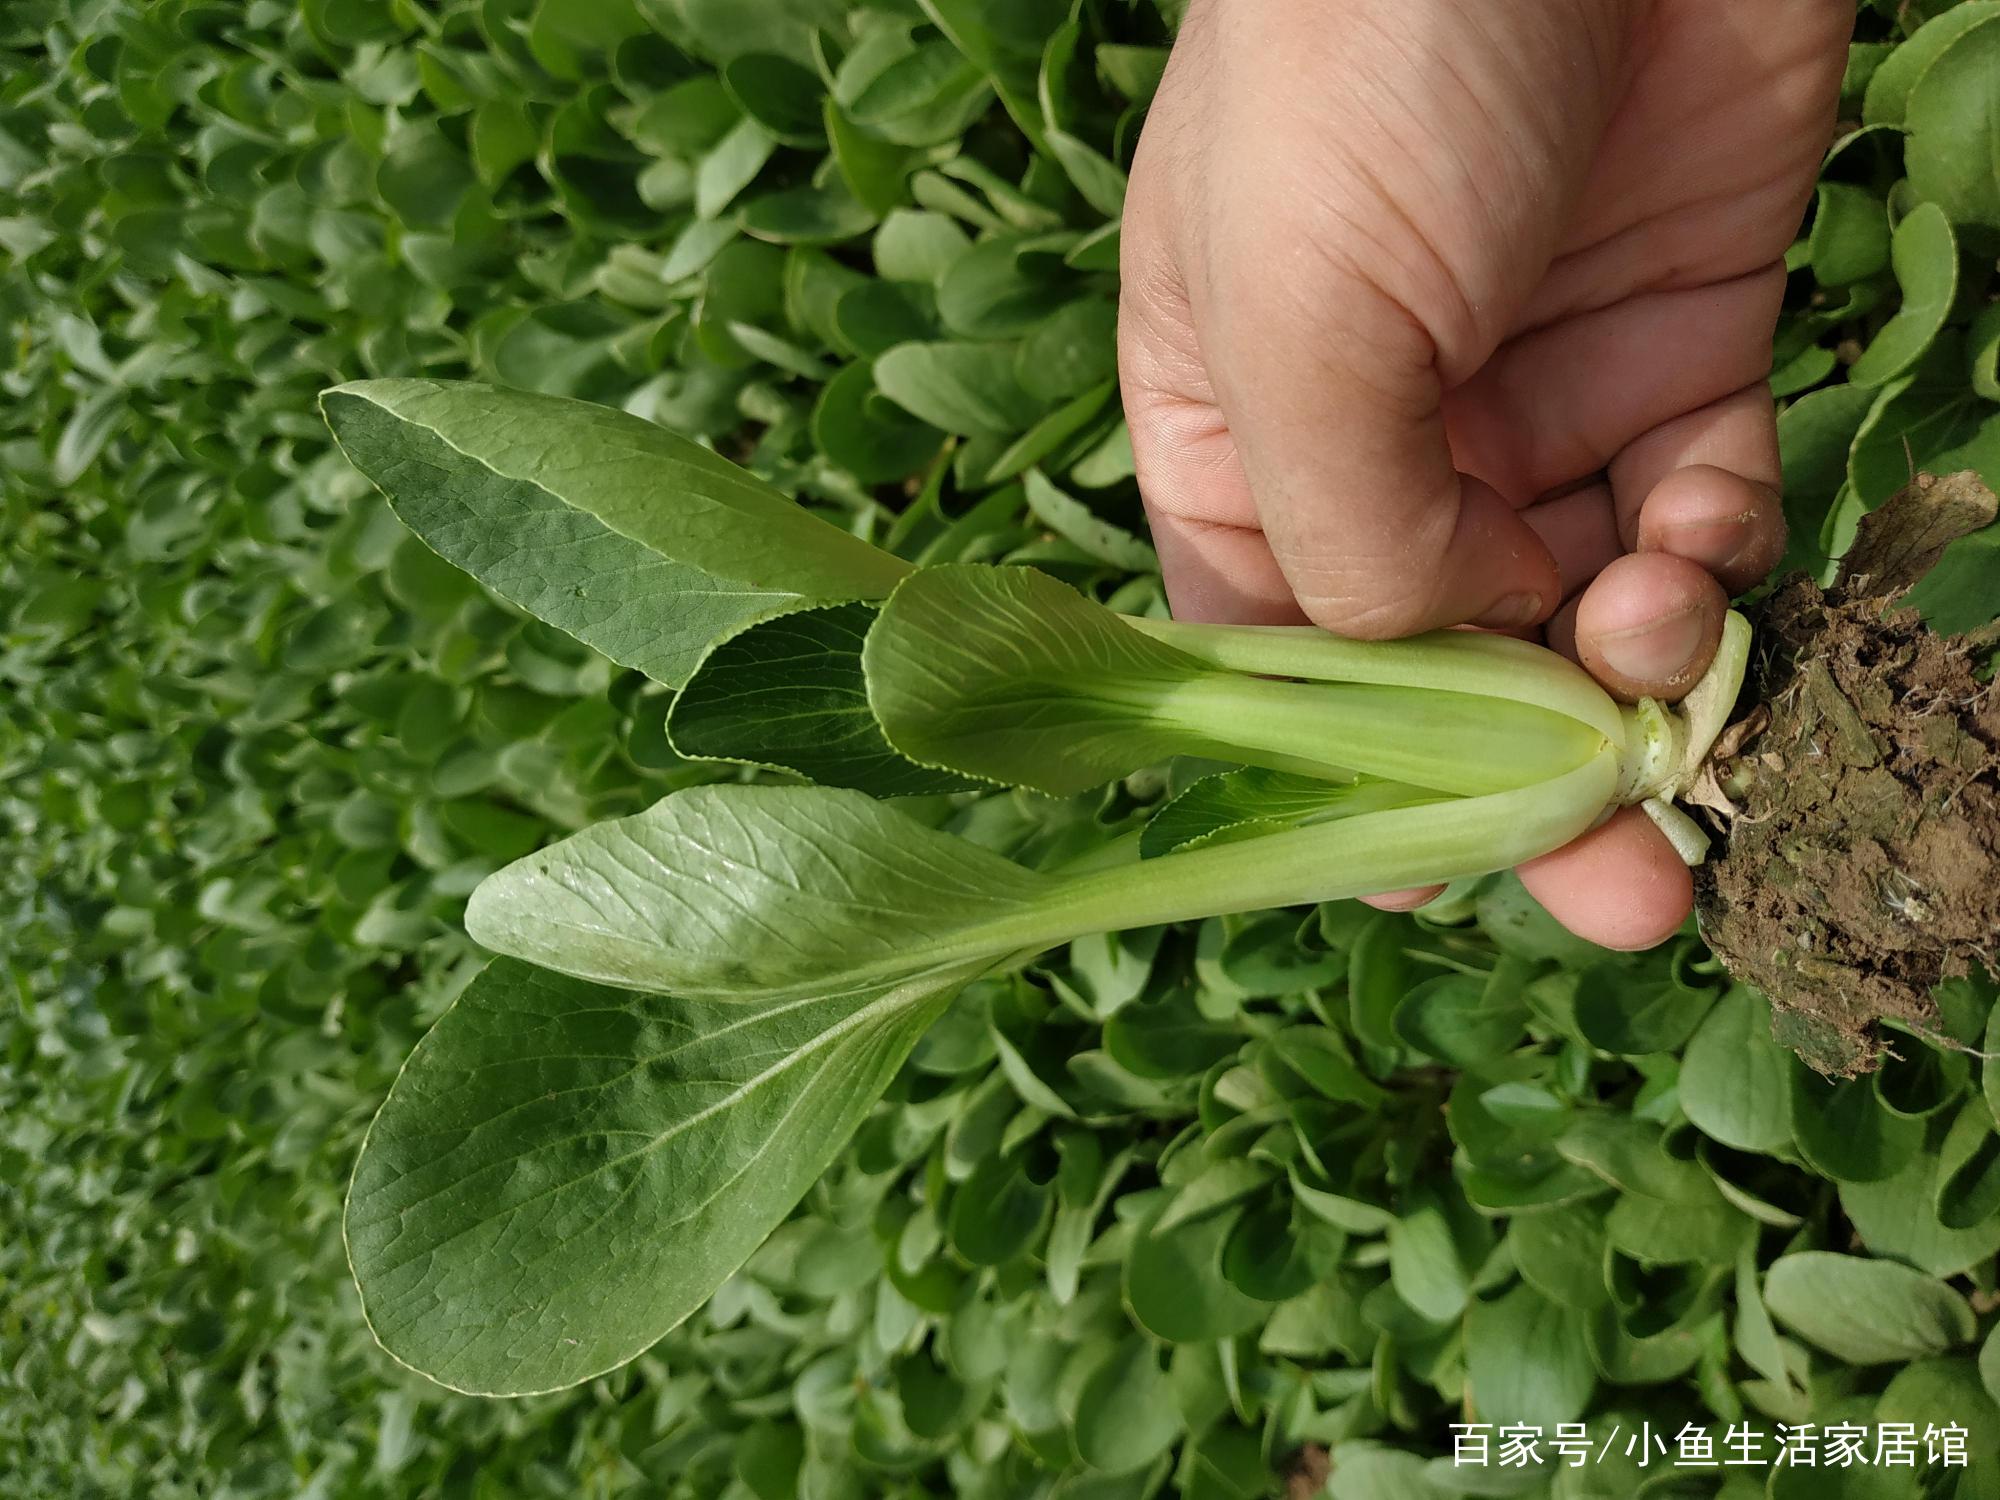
[[1439, 312]]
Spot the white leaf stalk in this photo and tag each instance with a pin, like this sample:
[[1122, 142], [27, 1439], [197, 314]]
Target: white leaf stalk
[[1646, 755], [1660, 749], [1666, 749]]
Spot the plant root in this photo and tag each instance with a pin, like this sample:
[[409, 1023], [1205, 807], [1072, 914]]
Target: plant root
[[1860, 796]]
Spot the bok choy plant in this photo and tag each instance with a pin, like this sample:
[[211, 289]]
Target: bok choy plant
[[696, 1005]]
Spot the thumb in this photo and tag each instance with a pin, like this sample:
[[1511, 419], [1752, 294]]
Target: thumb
[[1335, 413]]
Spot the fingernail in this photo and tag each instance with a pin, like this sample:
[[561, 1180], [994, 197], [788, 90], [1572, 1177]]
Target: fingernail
[[1408, 900], [1510, 611], [1658, 651], [1713, 544]]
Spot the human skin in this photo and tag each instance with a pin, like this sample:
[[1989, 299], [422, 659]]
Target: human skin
[[1439, 312]]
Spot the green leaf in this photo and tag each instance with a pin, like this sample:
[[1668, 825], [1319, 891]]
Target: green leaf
[[1166, 1037], [1808, 368], [1814, 435], [1867, 1312], [924, 98], [698, 245], [1265, 959], [873, 318], [1961, 592], [1078, 1211], [1021, 1074], [1378, 976], [1341, 1211], [1953, 120], [1755, 1335], [1968, 1191], [1175, 1288], [1850, 235], [1374, 1471], [917, 246], [1863, 59], [1134, 71], [639, 543], [1527, 1360], [1113, 969], [1320, 1056], [1889, 88], [1463, 1019], [1125, 1416], [90, 426], [1735, 1081], [1851, 1481], [778, 94], [1920, 1391], [1264, 1259], [788, 693], [1669, 1211], [1049, 436], [747, 892], [731, 166], [1560, 1253], [1096, 251], [1072, 520], [1099, 181], [809, 215], [1637, 1014], [1424, 1264], [564, 1172], [1225, 1463], [1009, 675], [1073, 350], [422, 180], [1005, 41], [1223, 1184], [1923, 420], [998, 1211], [504, 136], [687, 119], [1982, 347], [876, 171], [965, 388], [992, 292], [1926, 258], [1843, 1129], [1897, 1218]]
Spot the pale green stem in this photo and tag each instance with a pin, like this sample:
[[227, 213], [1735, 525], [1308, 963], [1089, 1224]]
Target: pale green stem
[[1430, 844], [1411, 846], [1390, 850], [1448, 741], [1463, 661]]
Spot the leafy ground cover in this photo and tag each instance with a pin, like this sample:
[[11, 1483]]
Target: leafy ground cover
[[1209, 1206]]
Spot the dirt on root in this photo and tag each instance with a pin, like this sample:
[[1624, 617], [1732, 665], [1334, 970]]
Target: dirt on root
[[1305, 1472], [1860, 795]]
